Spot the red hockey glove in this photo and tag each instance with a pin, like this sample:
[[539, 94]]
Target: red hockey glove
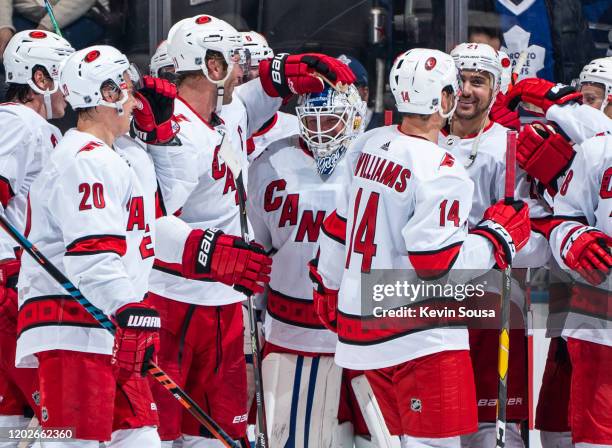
[[587, 251], [543, 153], [153, 121], [502, 115], [136, 338], [325, 299], [286, 74], [507, 227], [211, 254], [538, 95], [9, 271]]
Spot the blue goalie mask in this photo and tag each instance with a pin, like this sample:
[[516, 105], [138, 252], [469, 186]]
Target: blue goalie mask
[[329, 121]]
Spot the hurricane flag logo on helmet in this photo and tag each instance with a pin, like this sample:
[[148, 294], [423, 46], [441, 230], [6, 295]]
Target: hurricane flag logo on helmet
[[329, 121]]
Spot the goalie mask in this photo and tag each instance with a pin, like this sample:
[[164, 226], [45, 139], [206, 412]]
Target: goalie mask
[[329, 121]]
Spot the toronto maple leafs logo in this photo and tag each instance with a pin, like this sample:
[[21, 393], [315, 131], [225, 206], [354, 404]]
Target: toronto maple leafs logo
[[517, 40]]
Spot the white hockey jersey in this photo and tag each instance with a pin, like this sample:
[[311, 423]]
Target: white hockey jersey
[[281, 125], [288, 202], [92, 213], [26, 141], [579, 121], [585, 199], [214, 201], [488, 172], [408, 209]]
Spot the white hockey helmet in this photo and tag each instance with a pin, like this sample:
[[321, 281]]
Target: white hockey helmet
[[160, 59], [599, 71], [190, 39], [88, 72], [257, 45], [328, 145], [478, 57], [30, 48], [417, 79], [506, 71]]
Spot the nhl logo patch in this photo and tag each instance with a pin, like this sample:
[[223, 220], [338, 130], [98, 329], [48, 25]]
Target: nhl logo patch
[[36, 398], [415, 405], [44, 414]]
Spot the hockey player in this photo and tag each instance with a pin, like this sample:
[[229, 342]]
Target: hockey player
[[93, 212], [280, 125], [479, 143], [596, 84], [31, 62], [161, 65], [581, 245], [293, 186], [211, 366], [409, 203]]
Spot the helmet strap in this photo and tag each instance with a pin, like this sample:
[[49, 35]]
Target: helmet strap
[[46, 96]]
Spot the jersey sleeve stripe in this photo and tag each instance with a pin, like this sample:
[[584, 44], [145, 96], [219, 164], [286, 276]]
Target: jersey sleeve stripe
[[544, 226], [335, 228], [175, 269], [96, 244], [6, 191], [53, 310], [433, 264]]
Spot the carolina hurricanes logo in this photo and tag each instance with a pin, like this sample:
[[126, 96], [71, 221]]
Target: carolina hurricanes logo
[[448, 160], [430, 63]]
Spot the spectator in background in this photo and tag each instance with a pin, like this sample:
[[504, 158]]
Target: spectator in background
[[79, 20], [361, 83]]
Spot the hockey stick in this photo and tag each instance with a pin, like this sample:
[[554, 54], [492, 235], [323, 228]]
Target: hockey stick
[[504, 334], [105, 322], [49, 9], [227, 154]]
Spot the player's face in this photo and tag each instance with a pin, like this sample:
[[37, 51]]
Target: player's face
[[233, 79], [593, 94], [120, 124], [475, 94], [330, 125], [58, 104]]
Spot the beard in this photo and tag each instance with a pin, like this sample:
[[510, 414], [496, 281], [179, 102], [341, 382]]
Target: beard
[[477, 111]]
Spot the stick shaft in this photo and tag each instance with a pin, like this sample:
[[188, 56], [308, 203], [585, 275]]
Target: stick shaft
[[49, 9], [262, 436], [504, 334], [105, 322]]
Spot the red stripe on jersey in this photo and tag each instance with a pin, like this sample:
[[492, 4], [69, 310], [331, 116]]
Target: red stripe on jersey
[[250, 145], [6, 192], [334, 227], [175, 269], [370, 330], [50, 310], [267, 126], [544, 226], [590, 301], [293, 311], [435, 263], [28, 223], [96, 244]]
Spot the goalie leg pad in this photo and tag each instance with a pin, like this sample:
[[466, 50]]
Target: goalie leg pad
[[370, 410], [301, 396]]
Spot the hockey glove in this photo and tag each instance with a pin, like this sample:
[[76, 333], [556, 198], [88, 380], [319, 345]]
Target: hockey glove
[[502, 115], [587, 251], [507, 227], [288, 74], [211, 254], [136, 338], [9, 271], [153, 121], [543, 153], [325, 299], [538, 95]]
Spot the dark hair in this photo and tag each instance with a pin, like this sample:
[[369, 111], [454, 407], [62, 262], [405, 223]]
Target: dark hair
[[84, 112], [22, 93]]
